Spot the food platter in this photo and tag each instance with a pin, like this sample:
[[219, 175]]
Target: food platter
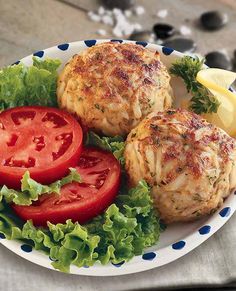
[[178, 239]]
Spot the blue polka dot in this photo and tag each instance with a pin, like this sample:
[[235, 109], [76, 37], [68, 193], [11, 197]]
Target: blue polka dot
[[118, 265], [167, 50], [90, 42], [205, 229], [86, 267], [143, 43], [231, 89], [16, 63], [26, 248], [63, 47], [149, 256], [39, 54], [225, 212], [178, 245], [51, 259], [117, 40], [2, 236]]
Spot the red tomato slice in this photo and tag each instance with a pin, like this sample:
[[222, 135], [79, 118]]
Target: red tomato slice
[[45, 141], [100, 173]]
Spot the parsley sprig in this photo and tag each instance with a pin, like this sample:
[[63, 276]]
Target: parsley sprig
[[202, 100]]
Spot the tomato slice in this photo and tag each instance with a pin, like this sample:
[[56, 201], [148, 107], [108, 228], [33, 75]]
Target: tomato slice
[[45, 141], [100, 173]]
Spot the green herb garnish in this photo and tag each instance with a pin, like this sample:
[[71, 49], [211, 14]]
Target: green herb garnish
[[202, 100]]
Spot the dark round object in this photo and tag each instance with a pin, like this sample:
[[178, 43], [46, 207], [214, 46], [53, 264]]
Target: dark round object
[[141, 35], [218, 60], [26, 248], [2, 236], [235, 54], [234, 61], [163, 30], [213, 20], [181, 44], [121, 4]]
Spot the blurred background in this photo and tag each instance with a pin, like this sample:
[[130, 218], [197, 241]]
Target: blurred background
[[206, 27]]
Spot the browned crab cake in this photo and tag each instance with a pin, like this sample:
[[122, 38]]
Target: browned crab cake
[[189, 163], [112, 86]]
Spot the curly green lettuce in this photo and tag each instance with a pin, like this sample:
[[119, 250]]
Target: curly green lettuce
[[123, 231], [34, 85], [115, 144], [31, 190]]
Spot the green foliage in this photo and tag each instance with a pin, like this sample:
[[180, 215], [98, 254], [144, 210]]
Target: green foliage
[[115, 144], [123, 231], [31, 190], [202, 100], [34, 85]]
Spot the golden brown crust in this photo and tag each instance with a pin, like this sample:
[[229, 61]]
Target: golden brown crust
[[189, 162], [112, 86]]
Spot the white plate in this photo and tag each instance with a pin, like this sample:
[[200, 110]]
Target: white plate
[[177, 240]]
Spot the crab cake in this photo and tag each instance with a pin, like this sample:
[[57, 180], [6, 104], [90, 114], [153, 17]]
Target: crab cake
[[112, 86], [189, 163]]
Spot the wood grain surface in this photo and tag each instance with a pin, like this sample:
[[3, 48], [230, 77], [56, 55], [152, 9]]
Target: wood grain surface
[[30, 25]]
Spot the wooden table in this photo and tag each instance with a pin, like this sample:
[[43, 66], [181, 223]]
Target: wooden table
[[30, 25]]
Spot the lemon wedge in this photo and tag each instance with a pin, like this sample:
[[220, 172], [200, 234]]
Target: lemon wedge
[[218, 81]]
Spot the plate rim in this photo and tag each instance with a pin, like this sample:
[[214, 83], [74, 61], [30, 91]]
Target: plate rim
[[163, 255]]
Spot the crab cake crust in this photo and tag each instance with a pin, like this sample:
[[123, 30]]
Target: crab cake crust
[[111, 86], [189, 163]]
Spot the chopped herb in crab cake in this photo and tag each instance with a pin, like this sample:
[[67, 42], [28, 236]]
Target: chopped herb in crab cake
[[189, 163], [113, 86]]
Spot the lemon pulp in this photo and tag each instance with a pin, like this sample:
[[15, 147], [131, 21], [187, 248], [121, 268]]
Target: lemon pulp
[[218, 81]]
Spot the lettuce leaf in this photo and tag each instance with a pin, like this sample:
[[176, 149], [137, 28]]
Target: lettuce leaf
[[34, 85], [50, 65], [123, 231], [115, 144], [31, 190], [10, 224]]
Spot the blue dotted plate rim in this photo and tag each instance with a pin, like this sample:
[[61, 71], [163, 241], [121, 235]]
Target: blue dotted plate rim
[[150, 259]]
